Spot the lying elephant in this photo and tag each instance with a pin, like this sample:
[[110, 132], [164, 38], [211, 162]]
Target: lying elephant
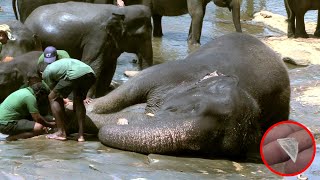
[[219, 100], [13, 74], [296, 10], [23, 8], [24, 40], [195, 8], [95, 34]]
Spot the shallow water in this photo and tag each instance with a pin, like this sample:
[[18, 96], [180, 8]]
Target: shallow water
[[38, 158]]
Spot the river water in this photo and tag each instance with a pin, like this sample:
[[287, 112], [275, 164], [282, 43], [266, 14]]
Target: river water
[[38, 158]]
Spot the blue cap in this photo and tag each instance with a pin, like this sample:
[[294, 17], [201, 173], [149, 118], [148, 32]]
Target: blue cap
[[50, 54]]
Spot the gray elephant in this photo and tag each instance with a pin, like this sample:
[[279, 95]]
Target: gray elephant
[[95, 33], [219, 101], [14, 74], [195, 8], [23, 8], [296, 10], [24, 40]]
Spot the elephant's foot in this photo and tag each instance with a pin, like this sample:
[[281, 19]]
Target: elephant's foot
[[301, 35], [194, 43], [317, 33], [290, 35]]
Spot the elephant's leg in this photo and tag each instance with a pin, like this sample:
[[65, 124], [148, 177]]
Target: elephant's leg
[[107, 71], [317, 32], [196, 10], [126, 95], [300, 27], [145, 54], [291, 25], [291, 20], [157, 28]]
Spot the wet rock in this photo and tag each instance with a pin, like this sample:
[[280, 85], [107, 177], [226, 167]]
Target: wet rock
[[305, 97]]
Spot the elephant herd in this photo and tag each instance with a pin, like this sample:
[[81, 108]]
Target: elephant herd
[[219, 100]]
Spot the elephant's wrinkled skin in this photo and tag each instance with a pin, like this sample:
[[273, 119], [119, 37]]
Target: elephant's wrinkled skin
[[92, 33], [25, 41], [23, 8], [218, 100], [195, 8], [296, 10], [13, 74]]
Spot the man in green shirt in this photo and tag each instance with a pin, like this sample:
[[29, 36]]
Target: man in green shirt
[[51, 54], [19, 113], [63, 77]]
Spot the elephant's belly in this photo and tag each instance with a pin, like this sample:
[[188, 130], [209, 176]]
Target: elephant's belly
[[170, 8]]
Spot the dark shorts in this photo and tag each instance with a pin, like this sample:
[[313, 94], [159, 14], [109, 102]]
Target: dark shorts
[[17, 127], [79, 86]]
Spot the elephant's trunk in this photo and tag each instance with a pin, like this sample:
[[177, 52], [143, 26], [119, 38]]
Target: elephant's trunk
[[236, 15], [153, 137]]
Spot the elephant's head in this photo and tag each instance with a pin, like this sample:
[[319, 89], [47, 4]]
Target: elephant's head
[[234, 6], [211, 116], [22, 41]]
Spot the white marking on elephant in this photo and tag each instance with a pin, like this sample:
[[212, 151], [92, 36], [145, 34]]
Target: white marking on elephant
[[150, 114], [139, 179], [290, 146], [203, 172], [219, 170], [131, 73], [122, 121], [210, 75]]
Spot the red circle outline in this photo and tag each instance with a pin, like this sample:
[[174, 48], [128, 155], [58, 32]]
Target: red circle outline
[[286, 122]]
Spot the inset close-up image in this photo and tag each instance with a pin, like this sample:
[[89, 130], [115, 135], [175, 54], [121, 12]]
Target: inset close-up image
[[288, 148]]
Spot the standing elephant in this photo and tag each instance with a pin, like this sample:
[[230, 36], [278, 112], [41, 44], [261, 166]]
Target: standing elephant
[[218, 100], [96, 34], [296, 10], [23, 8], [195, 8], [13, 74], [24, 40]]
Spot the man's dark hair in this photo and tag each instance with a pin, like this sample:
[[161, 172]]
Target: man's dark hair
[[39, 89]]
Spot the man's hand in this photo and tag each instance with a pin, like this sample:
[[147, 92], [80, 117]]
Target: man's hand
[[277, 158]]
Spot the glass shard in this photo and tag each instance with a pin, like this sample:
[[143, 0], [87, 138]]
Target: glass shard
[[290, 146]]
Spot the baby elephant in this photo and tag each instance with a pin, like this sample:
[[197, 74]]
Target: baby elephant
[[296, 10]]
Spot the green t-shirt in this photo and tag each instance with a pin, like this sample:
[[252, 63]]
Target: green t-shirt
[[18, 105], [67, 68], [0, 51], [61, 54]]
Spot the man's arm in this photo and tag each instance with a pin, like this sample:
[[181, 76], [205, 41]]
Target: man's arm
[[40, 119]]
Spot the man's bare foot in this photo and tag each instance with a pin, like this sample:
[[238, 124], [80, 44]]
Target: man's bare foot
[[56, 136], [81, 139], [120, 3]]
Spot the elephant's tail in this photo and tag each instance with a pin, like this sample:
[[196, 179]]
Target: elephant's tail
[[14, 7]]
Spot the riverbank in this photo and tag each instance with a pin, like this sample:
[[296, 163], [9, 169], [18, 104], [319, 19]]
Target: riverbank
[[299, 51]]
